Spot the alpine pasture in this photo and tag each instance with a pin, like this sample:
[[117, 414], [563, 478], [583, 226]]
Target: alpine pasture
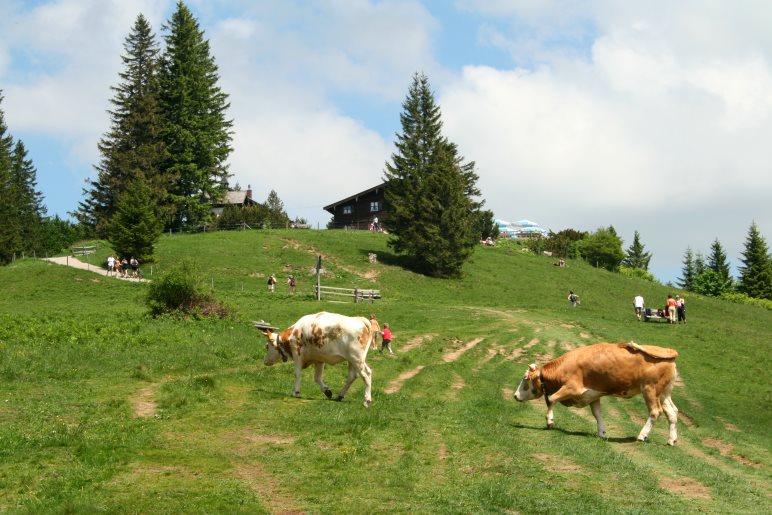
[[104, 409]]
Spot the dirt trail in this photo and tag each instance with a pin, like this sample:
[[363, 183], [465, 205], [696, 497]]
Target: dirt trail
[[143, 403], [453, 356], [77, 263], [396, 384]]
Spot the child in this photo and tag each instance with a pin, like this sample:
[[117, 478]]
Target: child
[[376, 329], [386, 343]]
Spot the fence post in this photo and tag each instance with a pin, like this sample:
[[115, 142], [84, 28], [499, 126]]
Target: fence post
[[356, 295]]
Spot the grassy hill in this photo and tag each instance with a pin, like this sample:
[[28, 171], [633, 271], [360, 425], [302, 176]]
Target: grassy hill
[[105, 409]]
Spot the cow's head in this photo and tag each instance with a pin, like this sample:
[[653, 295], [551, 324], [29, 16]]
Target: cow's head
[[530, 386], [274, 352]]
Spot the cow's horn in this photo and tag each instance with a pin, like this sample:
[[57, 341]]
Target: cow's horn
[[532, 367]]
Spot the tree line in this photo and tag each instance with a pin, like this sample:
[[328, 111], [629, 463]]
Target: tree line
[[713, 277], [24, 227], [707, 276]]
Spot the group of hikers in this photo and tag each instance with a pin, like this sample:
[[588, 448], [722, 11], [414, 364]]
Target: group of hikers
[[122, 267], [674, 310], [291, 283]]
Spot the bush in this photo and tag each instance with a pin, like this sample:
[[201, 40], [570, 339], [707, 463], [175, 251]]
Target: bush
[[741, 298], [180, 291], [639, 273]]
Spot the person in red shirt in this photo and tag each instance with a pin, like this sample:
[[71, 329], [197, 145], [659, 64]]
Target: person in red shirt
[[671, 309], [386, 343]]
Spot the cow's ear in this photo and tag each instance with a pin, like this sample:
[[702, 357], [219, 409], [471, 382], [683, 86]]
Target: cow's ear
[[532, 367]]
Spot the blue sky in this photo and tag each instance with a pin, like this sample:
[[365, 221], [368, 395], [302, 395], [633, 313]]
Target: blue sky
[[651, 116]]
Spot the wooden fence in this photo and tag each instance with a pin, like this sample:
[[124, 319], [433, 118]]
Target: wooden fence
[[359, 295]]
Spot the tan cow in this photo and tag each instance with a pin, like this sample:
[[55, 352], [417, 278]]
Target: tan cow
[[324, 338], [584, 375]]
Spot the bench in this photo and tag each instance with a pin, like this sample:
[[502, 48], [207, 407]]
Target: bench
[[652, 314]]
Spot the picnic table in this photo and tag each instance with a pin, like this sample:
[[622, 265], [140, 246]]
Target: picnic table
[[657, 315]]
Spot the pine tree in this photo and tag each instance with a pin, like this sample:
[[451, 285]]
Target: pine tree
[[9, 220], [430, 190], [133, 147], [688, 272], [197, 134], [756, 272], [29, 201], [718, 263], [699, 264], [136, 227], [636, 257], [277, 217]]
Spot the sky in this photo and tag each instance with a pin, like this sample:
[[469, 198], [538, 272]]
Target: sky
[[652, 116]]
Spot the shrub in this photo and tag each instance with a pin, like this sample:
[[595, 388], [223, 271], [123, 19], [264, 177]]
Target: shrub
[[180, 291], [741, 298], [640, 273]]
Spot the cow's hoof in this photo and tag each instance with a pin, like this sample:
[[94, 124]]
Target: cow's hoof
[[328, 393], [642, 440], [296, 395], [338, 398], [550, 425], [671, 442], [368, 403]]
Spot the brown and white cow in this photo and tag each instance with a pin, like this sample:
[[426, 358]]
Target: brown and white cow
[[320, 339], [584, 375]]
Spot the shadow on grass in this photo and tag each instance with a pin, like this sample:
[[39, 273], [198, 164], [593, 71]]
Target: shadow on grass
[[592, 434]]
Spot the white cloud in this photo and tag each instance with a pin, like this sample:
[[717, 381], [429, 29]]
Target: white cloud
[[647, 130]]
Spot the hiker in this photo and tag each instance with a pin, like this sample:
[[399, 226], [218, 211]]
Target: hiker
[[671, 309], [638, 305], [291, 284], [376, 330], [124, 267], [110, 265], [271, 283], [681, 309], [573, 298], [134, 267]]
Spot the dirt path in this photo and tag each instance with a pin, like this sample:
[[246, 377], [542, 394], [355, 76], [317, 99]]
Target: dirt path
[[77, 263]]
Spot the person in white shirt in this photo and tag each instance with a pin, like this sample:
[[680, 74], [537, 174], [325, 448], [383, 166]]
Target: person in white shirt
[[638, 305]]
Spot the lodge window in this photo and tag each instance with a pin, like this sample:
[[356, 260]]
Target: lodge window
[[375, 206], [347, 210]]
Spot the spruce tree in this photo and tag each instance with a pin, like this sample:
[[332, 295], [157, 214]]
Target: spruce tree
[[277, 217], [635, 256], [136, 227], [688, 273], [29, 201], [197, 133], [9, 221], [430, 192], [718, 263], [133, 147], [756, 272], [699, 264]]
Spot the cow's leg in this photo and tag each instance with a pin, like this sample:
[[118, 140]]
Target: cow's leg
[[367, 376], [672, 417], [595, 407], [318, 377], [565, 392], [298, 373], [550, 416], [352, 375], [655, 408]]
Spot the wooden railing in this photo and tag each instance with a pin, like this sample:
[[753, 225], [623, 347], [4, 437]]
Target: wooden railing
[[358, 294]]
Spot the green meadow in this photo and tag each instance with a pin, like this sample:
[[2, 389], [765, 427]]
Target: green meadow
[[106, 410]]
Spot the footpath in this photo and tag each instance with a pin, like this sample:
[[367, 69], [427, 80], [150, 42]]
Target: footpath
[[77, 263]]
